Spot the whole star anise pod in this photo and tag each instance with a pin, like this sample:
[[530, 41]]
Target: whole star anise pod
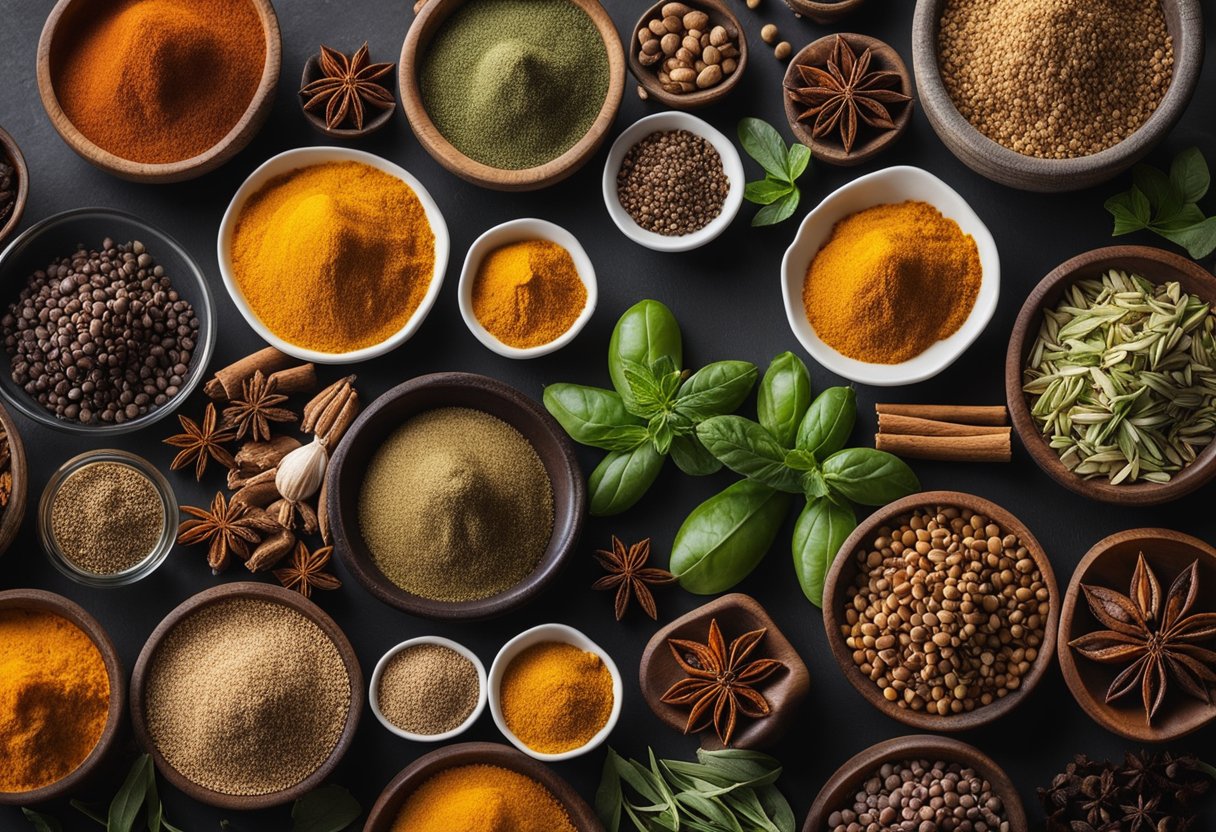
[[200, 442], [1157, 636], [629, 575], [257, 408], [844, 91], [228, 528], [721, 682], [345, 86], [307, 571]]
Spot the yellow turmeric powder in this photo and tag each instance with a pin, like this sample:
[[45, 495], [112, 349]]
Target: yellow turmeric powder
[[528, 293], [482, 798], [333, 257], [54, 698], [556, 697], [891, 281]]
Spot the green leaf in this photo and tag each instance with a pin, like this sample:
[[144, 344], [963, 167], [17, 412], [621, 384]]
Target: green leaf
[[1189, 174], [693, 458], [784, 396], [327, 809], [763, 143], [171, 828], [766, 191], [801, 460], [777, 807], [742, 765], [594, 416], [645, 333], [41, 822], [130, 798], [156, 811], [88, 811], [1165, 199], [1188, 216], [869, 477], [748, 449], [1130, 210], [716, 389], [819, 533], [797, 159], [646, 396], [778, 211], [814, 485], [1198, 240], [828, 422], [622, 478], [661, 433], [608, 796]]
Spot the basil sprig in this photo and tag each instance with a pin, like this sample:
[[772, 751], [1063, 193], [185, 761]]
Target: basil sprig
[[1167, 204], [777, 191], [652, 413]]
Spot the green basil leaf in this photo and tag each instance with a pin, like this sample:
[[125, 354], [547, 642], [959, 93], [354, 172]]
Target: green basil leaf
[[692, 457], [819, 533], [797, 159], [594, 416], [784, 396], [746, 448], [661, 433], [623, 478], [1198, 240], [763, 143], [130, 798], [1189, 174], [765, 191], [716, 389], [608, 796], [814, 485], [1165, 199], [646, 396], [644, 334], [828, 422], [869, 477], [727, 536], [779, 211], [41, 822], [327, 809]]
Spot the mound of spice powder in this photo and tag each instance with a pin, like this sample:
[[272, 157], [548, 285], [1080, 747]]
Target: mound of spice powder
[[528, 293], [556, 697], [160, 81], [482, 798], [107, 517], [428, 689]]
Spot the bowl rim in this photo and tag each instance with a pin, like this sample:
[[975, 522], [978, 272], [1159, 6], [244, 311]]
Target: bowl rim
[[373, 690], [732, 166], [698, 98], [9, 150], [311, 72], [260, 592], [941, 354], [1190, 478], [204, 310], [13, 515], [299, 158], [513, 231], [564, 634], [834, 590], [41, 600]]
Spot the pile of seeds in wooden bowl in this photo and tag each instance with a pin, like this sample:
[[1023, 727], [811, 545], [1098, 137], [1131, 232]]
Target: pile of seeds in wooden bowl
[[690, 54]]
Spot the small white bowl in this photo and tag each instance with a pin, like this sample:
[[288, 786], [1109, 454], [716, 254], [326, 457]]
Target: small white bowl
[[307, 157], [566, 635], [514, 232], [891, 185], [731, 164], [374, 689]]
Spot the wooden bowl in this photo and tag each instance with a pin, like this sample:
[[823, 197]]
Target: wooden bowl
[[824, 12], [10, 153], [13, 515], [1184, 21], [393, 798], [69, 17], [736, 614], [261, 592], [719, 15], [432, 15], [1110, 563], [838, 791], [37, 600], [390, 411], [839, 581], [1153, 264], [870, 142], [374, 119]]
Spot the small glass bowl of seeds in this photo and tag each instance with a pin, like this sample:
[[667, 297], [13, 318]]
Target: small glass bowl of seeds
[[107, 518], [428, 689]]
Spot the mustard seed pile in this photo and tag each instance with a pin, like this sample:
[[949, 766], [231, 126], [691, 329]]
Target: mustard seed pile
[[923, 796], [428, 689], [947, 612], [247, 697], [107, 517], [1055, 79], [672, 183]]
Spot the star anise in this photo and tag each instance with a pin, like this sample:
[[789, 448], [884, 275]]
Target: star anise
[[199, 443], [345, 86], [257, 408], [720, 682], [306, 572], [628, 573], [228, 528], [845, 91], [1156, 635]]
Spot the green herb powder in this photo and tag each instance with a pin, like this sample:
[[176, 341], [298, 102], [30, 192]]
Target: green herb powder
[[515, 83]]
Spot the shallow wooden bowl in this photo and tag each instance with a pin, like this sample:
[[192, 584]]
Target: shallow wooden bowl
[[1184, 21], [374, 119], [839, 582], [431, 16], [36, 599], [838, 791], [393, 798], [10, 153], [344, 482], [1110, 563], [719, 15], [13, 515], [69, 17], [824, 12], [870, 142], [261, 592], [1153, 264], [736, 614]]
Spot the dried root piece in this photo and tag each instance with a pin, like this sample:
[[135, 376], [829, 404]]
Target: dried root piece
[[271, 550], [256, 457], [323, 513], [297, 516], [258, 495], [236, 482]]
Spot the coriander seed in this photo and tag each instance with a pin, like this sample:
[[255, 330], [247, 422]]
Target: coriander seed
[[672, 183]]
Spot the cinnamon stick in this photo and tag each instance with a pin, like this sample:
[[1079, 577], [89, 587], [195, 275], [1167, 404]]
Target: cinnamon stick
[[301, 379], [914, 426], [981, 448], [961, 414], [227, 382]]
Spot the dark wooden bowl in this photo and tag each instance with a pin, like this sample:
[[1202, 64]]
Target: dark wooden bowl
[[824, 12], [393, 798], [870, 142], [373, 119], [736, 614], [12, 154], [390, 411], [13, 515], [431, 16], [36, 599], [1110, 563], [1153, 264], [69, 17], [262, 592], [1184, 20], [838, 791], [719, 15], [843, 571]]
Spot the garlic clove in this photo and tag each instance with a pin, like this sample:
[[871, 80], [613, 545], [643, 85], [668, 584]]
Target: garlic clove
[[302, 471]]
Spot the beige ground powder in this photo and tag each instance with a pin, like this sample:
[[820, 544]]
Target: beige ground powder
[[107, 517], [428, 689]]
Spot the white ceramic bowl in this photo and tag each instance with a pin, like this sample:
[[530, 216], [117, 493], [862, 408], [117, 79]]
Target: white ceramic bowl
[[537, 635], [731, 164], [374, 689], [306, 157], [891, 185], [514, 232]]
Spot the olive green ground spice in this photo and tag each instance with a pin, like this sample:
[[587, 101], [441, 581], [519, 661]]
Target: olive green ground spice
[[456, 506], [515, 83], [107, 517], [428, 689]]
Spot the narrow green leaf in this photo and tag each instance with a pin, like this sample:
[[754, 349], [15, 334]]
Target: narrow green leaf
[[796, 161], [327, 809], [779, 211], [763, 143], [766, 191], [88, 811], [41, 822], [124, 809], [715, 389], [819, 533], [622, 478], [828, 422], [608, 796], [783, 397]]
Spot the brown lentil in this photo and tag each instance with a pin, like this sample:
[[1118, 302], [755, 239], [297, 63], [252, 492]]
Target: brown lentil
[[107, 517], [672, 183], [428, 689], [922, 796]]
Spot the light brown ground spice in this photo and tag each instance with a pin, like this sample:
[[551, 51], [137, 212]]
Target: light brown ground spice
[[428, 689], [107, 517]]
